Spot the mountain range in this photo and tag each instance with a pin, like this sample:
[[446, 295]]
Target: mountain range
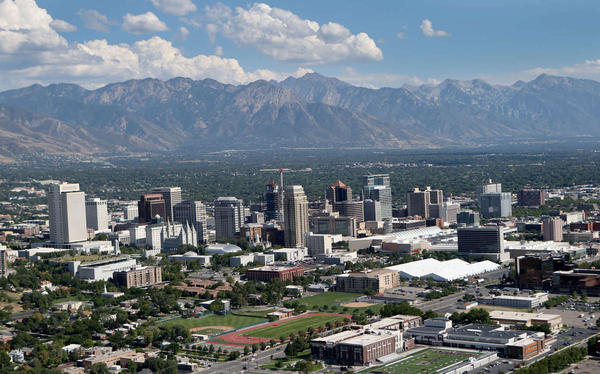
[[313, 111]]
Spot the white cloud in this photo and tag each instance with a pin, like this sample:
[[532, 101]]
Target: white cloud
[[428, 30], [193, 21], [182, 33], [94, 20], [32, 52], [219, 51], [284, 36], [143, 23], [378, 80], [401, 35], [62, 26], [175, 7]]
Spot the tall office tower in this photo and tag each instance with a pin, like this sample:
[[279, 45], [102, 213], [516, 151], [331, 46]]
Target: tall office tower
[[435, 196], [482, 242], [339, 192], [489, 187], [531, 198], [172, 197], [372, 210], [3, 262], [271, 198], [194, 214], [495, 204], [295, 211], [130, 212], [377, 188], [151, 205], [448, 211], [350, 208], [96, 214], [552, 228], [468, 218], [66, 205], [418, 203], [229, 217]]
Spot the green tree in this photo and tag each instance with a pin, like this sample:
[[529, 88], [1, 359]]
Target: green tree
[[98, 368]]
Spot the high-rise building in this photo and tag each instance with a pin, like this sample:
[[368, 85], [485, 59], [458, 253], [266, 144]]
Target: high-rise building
[[495, 204], [194, 214], [489, 187], [172, 197], [150, 206], [131, 212], [3, 261], [435, 196], [535, 272], [418, 202], [350, 208], [482, 242], [468, 218], [372, 210], [229, 217], [552, 228], [378, 188], [295, 211], [66, 205], [96, 215], [448, 211], [272, 200], [531, 198], [339, 192]]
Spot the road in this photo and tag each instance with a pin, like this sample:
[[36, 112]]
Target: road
[[243, 364]]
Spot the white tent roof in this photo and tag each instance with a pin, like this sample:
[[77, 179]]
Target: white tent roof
[[443, 270]]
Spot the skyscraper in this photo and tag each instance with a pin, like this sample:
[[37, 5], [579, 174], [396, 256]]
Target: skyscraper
[[482, 242], [495, 204], [418, 203], [295, 210], [3, 261], [435, 196], [552, 228], [96, 214], [172, 197], [151, 205], [272, 200], [531, 198], [377, 187], [194, 214], [229, 217], [66, 206], [372, 210], [339, 192]]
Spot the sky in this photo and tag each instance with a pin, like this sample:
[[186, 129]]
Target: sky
[[373, 43]]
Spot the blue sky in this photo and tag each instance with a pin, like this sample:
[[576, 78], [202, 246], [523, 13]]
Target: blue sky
[[370, 43]]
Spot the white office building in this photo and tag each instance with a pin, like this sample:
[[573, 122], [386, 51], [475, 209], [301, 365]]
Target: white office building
[[320, 244], [96, 215], [66, 205]]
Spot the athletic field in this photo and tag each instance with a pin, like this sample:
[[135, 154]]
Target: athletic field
[[293, 325], [230, 320], [427, 361]]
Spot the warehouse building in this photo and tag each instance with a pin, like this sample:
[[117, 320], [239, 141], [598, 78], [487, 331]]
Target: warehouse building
[[526, 302]]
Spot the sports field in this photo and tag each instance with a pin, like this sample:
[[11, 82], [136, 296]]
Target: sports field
[[427, 361], [214, 320], [328, 298], [293, 325]]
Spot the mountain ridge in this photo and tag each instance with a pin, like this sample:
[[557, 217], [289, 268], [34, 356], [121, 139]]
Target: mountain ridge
[[181, 114]]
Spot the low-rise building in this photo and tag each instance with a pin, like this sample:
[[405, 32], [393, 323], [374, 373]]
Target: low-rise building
[[526, 302], [138, 277], [191, 256], [267, 273], [290, 254], [101, 270], [375, 281], [516, 319]]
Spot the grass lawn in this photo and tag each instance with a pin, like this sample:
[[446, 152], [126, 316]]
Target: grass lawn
[[256, 313], [214, 320], [208, 331], [328, 298], [286, 363], [285, 328], [426, 361], [72, 298]]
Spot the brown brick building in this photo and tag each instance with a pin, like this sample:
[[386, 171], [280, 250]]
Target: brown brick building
[[140, 277], [377, 280], [266, 273]]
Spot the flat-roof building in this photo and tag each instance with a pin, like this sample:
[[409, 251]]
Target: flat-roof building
[[267, 273], [516, 319], [376, 281]]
